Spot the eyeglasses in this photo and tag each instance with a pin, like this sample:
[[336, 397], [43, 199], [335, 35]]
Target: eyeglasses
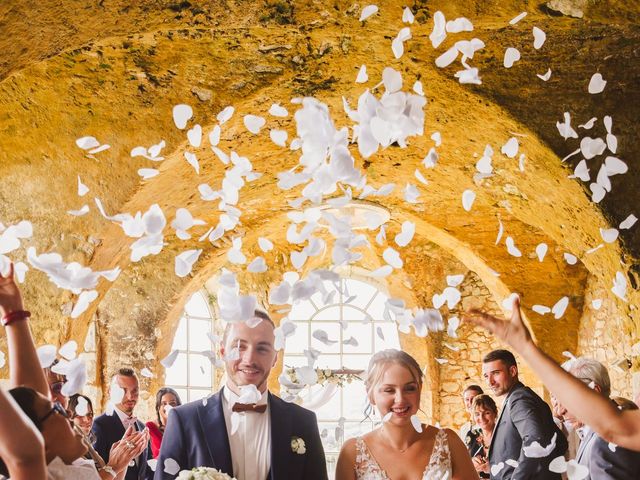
[[57, 408]]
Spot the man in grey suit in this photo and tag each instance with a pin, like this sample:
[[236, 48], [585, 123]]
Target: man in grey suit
[[605, 461], [525, 418]]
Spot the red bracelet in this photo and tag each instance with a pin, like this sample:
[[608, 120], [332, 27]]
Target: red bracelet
[[15, 316]]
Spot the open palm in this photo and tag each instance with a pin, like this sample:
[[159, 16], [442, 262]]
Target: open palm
[[513, 331], [10, 298]]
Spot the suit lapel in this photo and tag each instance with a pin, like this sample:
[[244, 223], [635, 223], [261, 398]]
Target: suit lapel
[[215, 431], [281, 428], [584, 444], [505, 407]]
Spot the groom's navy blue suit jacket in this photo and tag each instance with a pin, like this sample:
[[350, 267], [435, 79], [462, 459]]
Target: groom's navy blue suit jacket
[[196, 436]]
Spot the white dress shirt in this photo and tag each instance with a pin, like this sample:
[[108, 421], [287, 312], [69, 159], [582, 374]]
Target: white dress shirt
[[250, 444], [126, 419]]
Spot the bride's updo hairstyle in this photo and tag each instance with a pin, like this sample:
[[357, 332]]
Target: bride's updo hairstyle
[[382, 360]]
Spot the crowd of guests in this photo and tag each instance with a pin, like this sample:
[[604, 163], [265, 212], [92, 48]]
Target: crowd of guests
[[45, 435]]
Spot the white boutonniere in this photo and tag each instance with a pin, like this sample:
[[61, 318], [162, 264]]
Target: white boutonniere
[[298, 446]]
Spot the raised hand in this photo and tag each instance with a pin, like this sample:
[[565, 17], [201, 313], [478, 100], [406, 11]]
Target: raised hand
[[513, 331], [10, 298]]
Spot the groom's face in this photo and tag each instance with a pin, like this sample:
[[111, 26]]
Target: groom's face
[[255, 354]]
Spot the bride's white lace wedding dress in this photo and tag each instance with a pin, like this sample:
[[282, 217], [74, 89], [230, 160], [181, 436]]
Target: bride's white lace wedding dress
[[438, 468]]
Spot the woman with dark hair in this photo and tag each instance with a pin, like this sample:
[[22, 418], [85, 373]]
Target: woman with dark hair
[[81, 411], [166, 399], [484, 413]]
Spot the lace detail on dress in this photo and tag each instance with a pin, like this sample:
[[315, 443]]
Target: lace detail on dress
[[366, 467], [438, 468]]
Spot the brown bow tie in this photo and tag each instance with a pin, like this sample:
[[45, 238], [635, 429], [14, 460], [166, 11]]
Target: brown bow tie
[[249, 407]]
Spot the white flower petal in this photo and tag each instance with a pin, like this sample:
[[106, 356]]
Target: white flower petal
[[539, 37], [596, 84], [368, 11], [181, 115], [511, 56], [254, 123]]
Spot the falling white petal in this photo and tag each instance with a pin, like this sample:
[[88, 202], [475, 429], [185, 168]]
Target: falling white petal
[[279, 137], [468, 197], [254, 123], [544, 77], [258, 265], [193, 161], [184, 262], [392, 257], [362, 75], [541, 251], [510, 149], [407, 15], [368, 11], [609, 235], [560, 307], [87, 143], [517, 18], [406, 235], [511, 56], [181, 115], [511, 247], [277, 110], [539, 38], [147, 173], [78, 213], [82, 188], [225, 115], [570, 259], [596, 84], [628, 222]]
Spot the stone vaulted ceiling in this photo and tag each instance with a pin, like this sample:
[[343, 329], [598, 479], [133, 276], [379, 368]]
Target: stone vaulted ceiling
[[114, 70]]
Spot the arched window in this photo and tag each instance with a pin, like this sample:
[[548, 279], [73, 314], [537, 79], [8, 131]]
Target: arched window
[[192, 374], [353, 319]]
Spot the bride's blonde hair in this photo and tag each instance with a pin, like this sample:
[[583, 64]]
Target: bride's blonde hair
[[382, 360]]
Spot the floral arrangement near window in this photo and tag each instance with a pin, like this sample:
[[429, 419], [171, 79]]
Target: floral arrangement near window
[[324, 375]]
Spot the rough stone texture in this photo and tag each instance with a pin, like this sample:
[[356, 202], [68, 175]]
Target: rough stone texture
[[115, 70], [605, 337]]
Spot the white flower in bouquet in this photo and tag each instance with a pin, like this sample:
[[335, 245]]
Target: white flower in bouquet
[[203, 473]]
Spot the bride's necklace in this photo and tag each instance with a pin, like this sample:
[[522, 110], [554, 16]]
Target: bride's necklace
[[401, 450]]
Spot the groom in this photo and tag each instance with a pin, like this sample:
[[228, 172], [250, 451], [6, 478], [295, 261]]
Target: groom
[[266, 440]]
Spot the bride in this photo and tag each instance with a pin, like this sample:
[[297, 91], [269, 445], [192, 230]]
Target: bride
[[396, 450]]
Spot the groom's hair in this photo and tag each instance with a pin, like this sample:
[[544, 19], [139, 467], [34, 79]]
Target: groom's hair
[[261, 314]]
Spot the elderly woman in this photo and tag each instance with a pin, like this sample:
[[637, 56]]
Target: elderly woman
[[166, 399], [485, 415]]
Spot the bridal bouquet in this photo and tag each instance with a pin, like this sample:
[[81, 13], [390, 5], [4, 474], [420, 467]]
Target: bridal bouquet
[[203, 473]]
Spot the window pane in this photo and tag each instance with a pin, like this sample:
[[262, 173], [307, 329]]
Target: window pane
[[362, 291], [362, 333], [295, 361], [331, 409], [331, 314], [299, 341], [199, 371], [333, 333], [197, 306], [195, 394], [356, 362], [183, 394], [329, 361], [353, 314], [376, 309], [355, 399], [180, 338], [302, 311], [356, 429], [177, 374], [390, 334], [198, 339], [331, 439]]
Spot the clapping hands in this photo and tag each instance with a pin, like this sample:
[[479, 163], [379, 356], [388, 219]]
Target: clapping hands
[[132, 444]]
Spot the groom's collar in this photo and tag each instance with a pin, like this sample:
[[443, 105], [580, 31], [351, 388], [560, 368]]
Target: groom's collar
[[231, 397]]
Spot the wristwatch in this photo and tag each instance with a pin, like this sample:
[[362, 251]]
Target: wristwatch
[[109, 469]]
